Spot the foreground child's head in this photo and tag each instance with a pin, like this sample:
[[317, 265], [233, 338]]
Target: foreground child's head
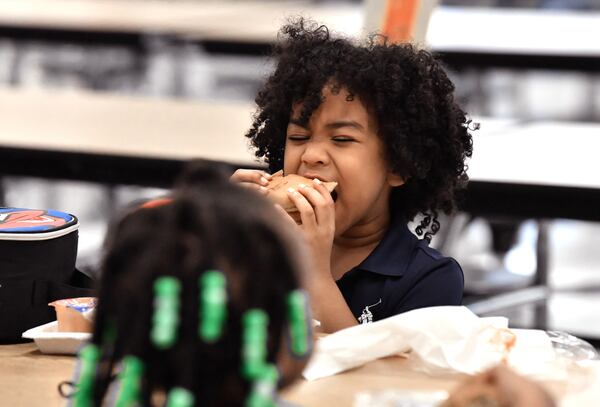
[[199, 300], [378, 118]]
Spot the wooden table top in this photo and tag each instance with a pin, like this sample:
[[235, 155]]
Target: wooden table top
[[549, 153], [537, 153], [549, 167], [125, 126], [451, 28], [242, 21], [30, 378]]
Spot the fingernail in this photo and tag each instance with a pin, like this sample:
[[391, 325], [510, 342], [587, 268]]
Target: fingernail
[[291, 190], [267, 175], [317, 181], [263, 189], [264, 181], [302, 185]]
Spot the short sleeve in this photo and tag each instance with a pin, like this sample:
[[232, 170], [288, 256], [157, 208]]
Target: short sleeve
[[441, 284]]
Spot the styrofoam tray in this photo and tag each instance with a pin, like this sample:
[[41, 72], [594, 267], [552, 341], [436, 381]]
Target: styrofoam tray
[[49, 340]]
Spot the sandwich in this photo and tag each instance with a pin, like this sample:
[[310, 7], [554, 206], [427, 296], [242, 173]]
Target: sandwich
[[279, 184]]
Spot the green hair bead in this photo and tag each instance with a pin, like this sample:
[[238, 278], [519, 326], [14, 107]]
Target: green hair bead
[[264, 388], [89, 357], [213, 305], [298, 319], [166, 312], [254, 343], [180, 397], [131, 378]]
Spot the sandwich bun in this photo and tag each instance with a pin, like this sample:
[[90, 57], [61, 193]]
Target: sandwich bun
[[279, 184]]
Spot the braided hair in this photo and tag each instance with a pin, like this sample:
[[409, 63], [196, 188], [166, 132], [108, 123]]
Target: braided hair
[[423, 130], [208, 224]]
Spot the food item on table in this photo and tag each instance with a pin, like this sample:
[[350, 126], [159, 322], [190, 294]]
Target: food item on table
[[476, 394], [75, 314], [499, 387], [504, 339], [279, 184]]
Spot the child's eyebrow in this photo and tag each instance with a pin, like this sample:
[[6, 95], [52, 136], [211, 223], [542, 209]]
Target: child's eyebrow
[[345, 123], [333, 125]]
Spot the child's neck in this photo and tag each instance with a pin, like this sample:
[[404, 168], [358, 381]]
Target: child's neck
[[355, 245]]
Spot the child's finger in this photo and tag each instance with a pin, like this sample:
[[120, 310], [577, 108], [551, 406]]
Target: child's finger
[[311, 194], [284, 215], [255, 187], [321, 203], [251, 176], [318, 185], [307, 213]]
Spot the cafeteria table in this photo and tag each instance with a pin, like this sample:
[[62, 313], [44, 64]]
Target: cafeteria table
[[462, 36], [30, 378], [519, 169]]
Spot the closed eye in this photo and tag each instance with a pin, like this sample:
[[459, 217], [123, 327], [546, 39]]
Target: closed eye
[[297, 137], [343, 139]]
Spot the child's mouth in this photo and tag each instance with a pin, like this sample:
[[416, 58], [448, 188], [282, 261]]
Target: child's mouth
[[334, 195]]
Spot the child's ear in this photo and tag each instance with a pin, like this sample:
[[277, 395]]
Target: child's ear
[[394, 180]]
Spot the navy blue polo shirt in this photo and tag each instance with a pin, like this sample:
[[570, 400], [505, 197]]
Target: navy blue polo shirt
[[401, 274]]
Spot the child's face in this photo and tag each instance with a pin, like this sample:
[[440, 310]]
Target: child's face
[[341, 144]]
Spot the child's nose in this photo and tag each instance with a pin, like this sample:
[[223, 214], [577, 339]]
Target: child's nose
[[315, 153]]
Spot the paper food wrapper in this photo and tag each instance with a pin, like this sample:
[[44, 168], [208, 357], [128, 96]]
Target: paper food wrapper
[[439, 340]]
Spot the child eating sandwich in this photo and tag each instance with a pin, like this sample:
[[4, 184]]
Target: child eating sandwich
[[380, 120]]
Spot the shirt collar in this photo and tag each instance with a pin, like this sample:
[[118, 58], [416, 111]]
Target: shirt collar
[[393, 254]]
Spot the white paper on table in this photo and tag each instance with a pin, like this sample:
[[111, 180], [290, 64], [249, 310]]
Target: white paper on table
[[448, 339], [534, 356], [586, 391]]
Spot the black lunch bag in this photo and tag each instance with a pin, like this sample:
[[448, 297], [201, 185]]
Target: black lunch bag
[[37, 266]]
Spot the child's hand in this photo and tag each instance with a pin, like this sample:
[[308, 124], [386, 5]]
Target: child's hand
[[499, 386], [317, 211], [518, 390], [253, 179]]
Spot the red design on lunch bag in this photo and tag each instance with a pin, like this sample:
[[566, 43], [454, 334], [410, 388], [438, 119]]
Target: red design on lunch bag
[[28, 219]]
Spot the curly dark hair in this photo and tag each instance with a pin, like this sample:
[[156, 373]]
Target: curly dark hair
[[424, 131], [209, 223]]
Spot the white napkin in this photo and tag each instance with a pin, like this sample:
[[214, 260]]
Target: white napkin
[[450, 339], [533, 356]]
